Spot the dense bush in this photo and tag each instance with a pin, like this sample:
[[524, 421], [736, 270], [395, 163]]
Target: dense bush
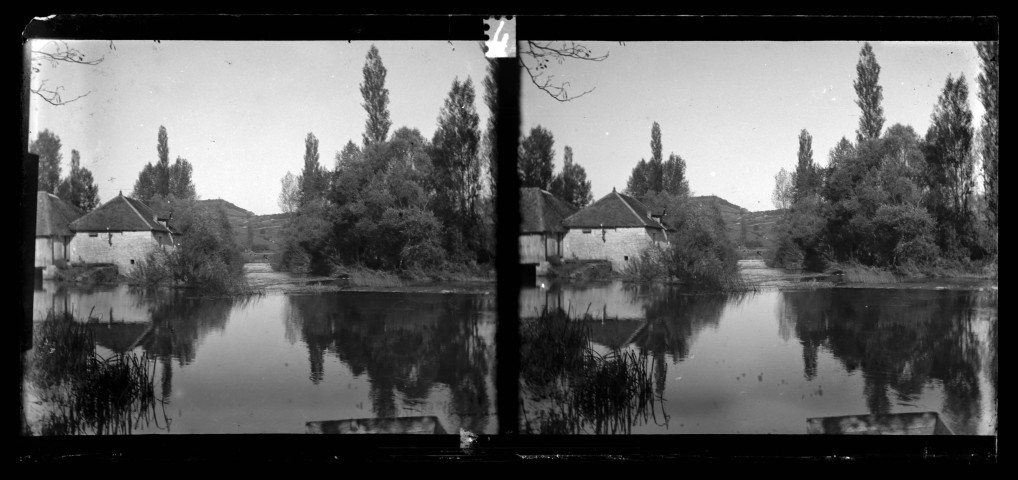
[[206, 256], [905, 234], [699, 254]]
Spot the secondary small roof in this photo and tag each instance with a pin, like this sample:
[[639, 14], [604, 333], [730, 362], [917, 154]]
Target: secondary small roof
[[53, 215], [542, 212]]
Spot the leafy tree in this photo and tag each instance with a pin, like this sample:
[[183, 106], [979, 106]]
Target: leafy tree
[[656, 175], [638, 184], [376, 99], [289, 194], [181, 185], [537, 158], [782, 196], [673, 176], [989, 86], [950, 166], [382, 196], [571, 183], [806, 178], [162, 178], [312, 181], [870, 95], [47, 147], [145, 187], [457, 170], [78, 187]]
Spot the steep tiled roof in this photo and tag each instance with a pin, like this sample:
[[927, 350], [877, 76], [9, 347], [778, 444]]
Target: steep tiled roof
[[120, 214], [540, 211], [615, 210], [53, 215]]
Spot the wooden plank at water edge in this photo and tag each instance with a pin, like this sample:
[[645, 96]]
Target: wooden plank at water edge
[[402, 425], [918, 423]]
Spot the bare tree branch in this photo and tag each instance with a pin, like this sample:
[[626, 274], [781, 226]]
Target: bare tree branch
[[56, 52], [536, 57]]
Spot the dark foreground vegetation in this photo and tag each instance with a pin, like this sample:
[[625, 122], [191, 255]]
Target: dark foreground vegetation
[[83, 392], [892, 199], [568, 387]]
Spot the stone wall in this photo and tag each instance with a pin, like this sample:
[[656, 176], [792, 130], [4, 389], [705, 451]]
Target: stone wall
[[618, 245], [119, 248]]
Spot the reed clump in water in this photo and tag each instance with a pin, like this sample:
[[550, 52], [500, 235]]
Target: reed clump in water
[[84, 392], [576, 389]]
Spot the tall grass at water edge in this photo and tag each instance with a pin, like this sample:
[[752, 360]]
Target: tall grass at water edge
[[576, 389], [84, 392]]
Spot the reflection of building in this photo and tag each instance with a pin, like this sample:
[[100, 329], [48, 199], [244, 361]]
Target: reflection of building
[[541, 229], [611, 300], [122, 232], [115, 303], [52, 233], [615, 228]]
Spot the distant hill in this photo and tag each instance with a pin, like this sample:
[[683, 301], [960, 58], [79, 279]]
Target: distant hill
[[760, 226], [259, 233]]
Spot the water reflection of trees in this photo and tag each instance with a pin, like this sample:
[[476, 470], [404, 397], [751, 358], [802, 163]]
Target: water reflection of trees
[[674, 319], [901, 341], [405, 344], [83, 392]]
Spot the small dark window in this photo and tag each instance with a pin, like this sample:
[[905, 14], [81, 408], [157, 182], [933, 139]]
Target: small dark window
[[626, 257], [93, 234], [586, 230], [132, 261]]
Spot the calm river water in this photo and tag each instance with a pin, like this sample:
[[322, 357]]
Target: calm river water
[[759, 362]]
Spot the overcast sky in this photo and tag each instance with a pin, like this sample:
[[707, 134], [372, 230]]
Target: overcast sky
[[239, 111], [733, 110]]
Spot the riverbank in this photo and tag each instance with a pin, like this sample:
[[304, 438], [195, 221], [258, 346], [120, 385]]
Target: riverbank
[[261, 276], [756, 274]]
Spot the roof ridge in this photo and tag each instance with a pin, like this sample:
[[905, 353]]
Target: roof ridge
[[630, 207], [142, 217]]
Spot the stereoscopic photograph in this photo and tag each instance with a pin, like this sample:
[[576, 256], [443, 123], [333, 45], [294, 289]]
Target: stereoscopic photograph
[[286, 236]]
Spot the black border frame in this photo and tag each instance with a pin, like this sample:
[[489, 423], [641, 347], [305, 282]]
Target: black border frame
[[720, 449]]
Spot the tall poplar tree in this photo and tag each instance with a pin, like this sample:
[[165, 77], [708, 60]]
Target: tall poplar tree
[[989, 86], [457, 170], [654, 170], [312, 179], [806, 177], [163, 167], [870, 94], [376, 99], [950, 165]]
